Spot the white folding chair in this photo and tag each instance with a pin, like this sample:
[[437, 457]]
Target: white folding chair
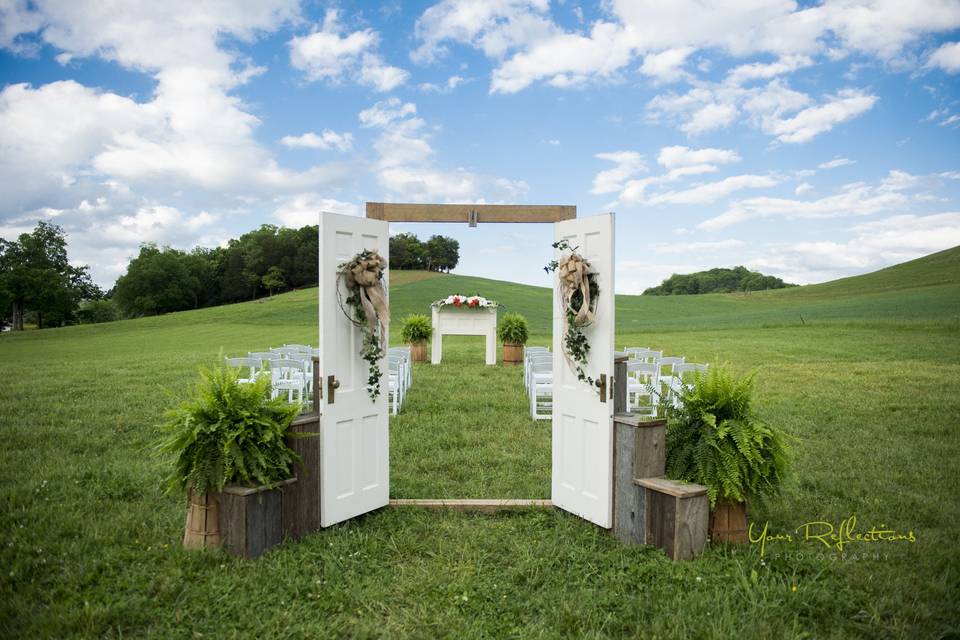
[[541, 390], [404, 352], [683, 380], [666, 370], [250, 364], [642, 384], [288, 375], [536, 360]]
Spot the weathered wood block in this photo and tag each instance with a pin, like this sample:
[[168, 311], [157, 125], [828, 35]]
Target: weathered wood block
[[638, 452], [251, 519], [301, 500], [676, 516]]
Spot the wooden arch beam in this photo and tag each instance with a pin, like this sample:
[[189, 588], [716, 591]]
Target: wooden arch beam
[[461, 212]]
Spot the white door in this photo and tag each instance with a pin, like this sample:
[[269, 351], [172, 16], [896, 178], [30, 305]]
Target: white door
[[582, 418], [354, 430]]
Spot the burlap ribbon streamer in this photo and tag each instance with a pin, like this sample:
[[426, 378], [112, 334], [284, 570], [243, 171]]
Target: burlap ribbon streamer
[[364, 274], [573, 271]]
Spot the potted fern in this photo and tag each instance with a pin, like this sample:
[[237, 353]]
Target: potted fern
[[417, 331], [716, 439], [231, 457], [513, 332]]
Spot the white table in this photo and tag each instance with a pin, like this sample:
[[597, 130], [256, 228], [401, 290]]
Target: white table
[[451, 321]]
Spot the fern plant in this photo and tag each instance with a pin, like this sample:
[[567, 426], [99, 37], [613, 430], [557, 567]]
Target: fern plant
[[513, 329], [716, 439], [228, 433], [416, 329]]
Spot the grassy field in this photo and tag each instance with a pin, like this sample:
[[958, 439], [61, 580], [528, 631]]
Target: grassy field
[[863, 372]]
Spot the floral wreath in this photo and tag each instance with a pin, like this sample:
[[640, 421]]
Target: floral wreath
[[362, 277], [579, 293], [471, 302]]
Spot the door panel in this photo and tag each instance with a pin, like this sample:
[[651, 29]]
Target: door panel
[[354, 430], [582, 423]]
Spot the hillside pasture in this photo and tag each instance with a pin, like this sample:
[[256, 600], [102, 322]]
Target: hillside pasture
[[861, 372]]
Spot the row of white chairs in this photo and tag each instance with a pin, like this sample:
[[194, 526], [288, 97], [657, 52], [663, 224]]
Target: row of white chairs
[[653, 378], [538, 380], [400, 377], [289, 367]]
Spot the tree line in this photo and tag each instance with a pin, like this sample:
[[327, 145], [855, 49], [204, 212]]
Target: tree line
[[39, 285], [439, 253], [719, 280]]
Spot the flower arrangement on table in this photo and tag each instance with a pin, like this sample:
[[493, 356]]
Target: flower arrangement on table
[[470, 302]]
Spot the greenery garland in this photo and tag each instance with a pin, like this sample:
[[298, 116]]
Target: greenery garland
[[370, 318], [576, 347]]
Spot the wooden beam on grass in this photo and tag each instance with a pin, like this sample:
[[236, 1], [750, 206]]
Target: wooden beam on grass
[[399, 212], [474, 505]]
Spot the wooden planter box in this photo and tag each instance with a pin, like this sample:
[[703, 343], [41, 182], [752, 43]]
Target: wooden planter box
[[418, 352], [728, 522], [676, 516], [251, 518], [512, 353]]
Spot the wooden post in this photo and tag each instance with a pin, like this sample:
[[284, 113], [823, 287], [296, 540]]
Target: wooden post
[[301, 505], [638, 452], [676, 516]]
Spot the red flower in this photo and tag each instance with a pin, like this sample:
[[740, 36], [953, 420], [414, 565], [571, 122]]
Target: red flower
[[457, 301], [474, 302]]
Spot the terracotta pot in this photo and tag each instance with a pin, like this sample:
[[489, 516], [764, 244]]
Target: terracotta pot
[[728, 522], [418, 352], [512, 353], [202, 530]]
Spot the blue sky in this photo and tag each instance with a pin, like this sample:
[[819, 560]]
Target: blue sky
[[807, 140]]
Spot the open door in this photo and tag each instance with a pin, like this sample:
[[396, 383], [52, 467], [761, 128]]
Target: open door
[[583, 414], [354, 430]]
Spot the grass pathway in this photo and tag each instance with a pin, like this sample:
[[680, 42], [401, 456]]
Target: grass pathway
[[465, 432]]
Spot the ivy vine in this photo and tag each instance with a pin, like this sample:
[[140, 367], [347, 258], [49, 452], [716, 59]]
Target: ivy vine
[[575, 343]]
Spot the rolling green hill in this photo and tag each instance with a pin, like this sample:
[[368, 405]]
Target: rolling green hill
[[865, 382]]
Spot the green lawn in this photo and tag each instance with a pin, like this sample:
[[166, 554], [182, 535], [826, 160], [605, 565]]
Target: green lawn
[[867, 381]]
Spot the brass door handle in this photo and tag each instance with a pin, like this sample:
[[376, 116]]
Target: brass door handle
[[332, 385], [602, 385]]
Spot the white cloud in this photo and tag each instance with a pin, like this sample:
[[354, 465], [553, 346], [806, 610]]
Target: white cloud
[[493, 26], [529, 47], [774, 108], [759, 71], [404, 168], [451, 83], [302, 209], [947, 57], [679, 156], [326, 139], [802, 188], [853, 200], [713, 246], [330, 53], [566, 59], [628, 164], [666, 66], [711, 192], [812, 121], [120, 170], [836, 162]]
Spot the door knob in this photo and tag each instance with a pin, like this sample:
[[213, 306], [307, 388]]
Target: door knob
[[332, 385]]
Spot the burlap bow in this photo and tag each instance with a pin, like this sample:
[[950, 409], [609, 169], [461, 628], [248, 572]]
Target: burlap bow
[[573, 271], [364, 274]]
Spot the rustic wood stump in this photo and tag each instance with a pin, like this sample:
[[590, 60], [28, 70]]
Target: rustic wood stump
[[676, 516], [512, 353]]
